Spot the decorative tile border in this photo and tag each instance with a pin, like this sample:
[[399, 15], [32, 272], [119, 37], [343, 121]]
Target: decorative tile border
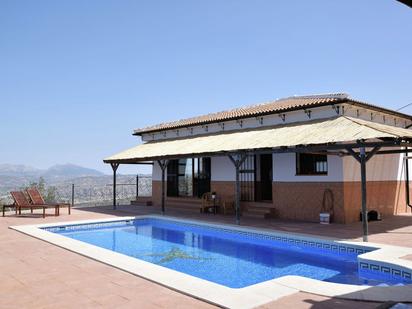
[[383, 256], [328, 247], [87, 226], [323, 245]]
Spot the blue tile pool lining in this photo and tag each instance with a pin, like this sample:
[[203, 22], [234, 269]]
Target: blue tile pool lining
[[302, 241]]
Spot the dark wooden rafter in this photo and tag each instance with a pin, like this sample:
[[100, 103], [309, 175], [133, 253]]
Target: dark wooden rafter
[[338, 148], [369, 155]]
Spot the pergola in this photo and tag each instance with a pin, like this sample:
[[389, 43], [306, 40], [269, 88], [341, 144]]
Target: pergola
[[340, 136]]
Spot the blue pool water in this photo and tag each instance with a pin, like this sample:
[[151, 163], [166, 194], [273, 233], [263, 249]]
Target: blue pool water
[[222, 256]]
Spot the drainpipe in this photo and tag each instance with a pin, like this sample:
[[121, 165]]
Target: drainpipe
[[408, 202]]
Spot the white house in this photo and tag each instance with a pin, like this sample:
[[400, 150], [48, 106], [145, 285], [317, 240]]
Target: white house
[[297, 156]]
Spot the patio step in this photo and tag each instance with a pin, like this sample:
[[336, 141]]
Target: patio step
[[142, 201], [257, 204], [184, 201], [177, 205], [247, 214], [257, 210]]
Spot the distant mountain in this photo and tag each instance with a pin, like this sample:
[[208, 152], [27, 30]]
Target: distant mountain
[[60, 171], [69, 171], [91, 186], [18, 170]]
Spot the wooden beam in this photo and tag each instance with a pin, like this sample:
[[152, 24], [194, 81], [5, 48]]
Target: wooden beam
[[237, 161], [114, 168], [372, 152], [363, 157], [294, 149], [163, 166]]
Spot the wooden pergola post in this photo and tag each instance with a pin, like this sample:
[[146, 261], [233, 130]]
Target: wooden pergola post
[[237, 161], [114, 168], [163, 166], [362, 158], [137, 186]]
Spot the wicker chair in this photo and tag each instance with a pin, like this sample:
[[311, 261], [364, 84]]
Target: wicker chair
[[209, 203], [228, 207]]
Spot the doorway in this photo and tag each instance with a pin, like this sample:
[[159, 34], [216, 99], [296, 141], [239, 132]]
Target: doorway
[[265, 183], [256, 178]]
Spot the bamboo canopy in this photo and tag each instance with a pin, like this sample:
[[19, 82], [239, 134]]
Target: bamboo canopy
[[336, 130]]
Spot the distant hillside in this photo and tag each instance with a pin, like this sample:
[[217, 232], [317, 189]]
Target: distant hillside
[[18, 170], [63, 171], [14, 176], [90, 185], [69, 171]]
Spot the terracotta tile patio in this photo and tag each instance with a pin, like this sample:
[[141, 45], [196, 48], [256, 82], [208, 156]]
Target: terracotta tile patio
[[35, 274]]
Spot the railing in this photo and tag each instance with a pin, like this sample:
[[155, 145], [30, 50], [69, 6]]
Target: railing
[[83, 196], [101, 194]]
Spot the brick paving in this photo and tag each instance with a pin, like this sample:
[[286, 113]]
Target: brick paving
[[35, 274]]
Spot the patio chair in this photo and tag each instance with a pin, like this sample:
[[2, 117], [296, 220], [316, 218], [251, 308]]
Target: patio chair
[[228, 207], [209, 203], [21, 201], [4, 208], [37, 199]]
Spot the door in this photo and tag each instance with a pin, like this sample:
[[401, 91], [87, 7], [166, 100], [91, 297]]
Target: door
[[266, 167]]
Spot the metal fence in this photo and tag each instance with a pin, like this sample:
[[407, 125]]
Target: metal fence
[[102, 195], [91, 193]]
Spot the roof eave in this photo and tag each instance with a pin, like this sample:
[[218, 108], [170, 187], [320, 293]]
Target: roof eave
[[285, 110], [138, 132]]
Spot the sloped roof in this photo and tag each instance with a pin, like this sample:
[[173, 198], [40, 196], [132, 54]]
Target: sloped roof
[[340, 129], [277, 106]]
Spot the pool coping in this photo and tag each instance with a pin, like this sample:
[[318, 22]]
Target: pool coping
[[384, 257]]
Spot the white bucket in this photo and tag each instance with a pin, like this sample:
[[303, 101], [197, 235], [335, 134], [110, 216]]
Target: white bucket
[[324, 218]]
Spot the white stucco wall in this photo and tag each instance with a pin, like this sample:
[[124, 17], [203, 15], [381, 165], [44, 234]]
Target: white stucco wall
[[284, 169], [222, 169], [157, 172], [378, 168]]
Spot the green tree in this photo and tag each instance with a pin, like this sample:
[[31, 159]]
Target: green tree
[[49, 193]]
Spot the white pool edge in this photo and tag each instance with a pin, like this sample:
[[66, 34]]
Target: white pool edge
[[248, 297]]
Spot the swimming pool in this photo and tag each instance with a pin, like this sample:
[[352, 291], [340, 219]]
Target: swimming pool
[[229, 257]]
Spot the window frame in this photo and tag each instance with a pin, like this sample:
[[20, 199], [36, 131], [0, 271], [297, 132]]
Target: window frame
[[299, 171], [198, 183]]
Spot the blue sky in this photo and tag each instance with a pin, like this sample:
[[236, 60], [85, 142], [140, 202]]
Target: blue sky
[[76, 77]]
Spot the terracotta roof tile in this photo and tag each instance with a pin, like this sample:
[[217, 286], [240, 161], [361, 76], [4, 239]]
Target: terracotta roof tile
[[277, 106]]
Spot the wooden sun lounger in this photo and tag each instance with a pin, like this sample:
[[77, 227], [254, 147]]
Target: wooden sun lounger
[[20, 201], [37, 199]]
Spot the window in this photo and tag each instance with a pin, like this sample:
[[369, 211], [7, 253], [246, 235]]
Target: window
[[185, 177], [311, 164], [188, 177]]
